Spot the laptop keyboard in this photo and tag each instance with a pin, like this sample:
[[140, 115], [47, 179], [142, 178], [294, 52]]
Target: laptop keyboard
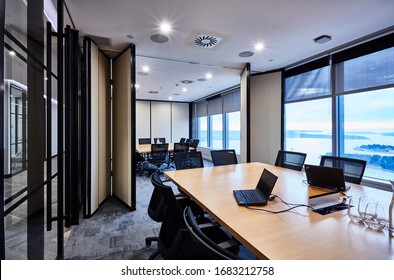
[[251, 196]]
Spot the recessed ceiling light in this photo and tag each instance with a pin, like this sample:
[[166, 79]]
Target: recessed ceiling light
[[12, 53], [208, 76], [170, 98], [259, 47], [322, 39], [137, 86], [165, 27], [184, 89], [246, 54], [145, 68]]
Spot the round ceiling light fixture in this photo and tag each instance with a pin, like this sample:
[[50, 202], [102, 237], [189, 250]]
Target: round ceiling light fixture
[[246, 54], [159, 38]]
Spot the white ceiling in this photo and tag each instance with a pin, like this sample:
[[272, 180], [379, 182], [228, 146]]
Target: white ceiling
[[286, 28]]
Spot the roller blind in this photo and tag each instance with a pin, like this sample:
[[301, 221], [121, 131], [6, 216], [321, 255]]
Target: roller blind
[[201, 109], [215, 106], [231, 102]]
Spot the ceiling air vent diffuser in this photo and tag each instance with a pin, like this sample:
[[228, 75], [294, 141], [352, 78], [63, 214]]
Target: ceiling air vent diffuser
[[206, 40]]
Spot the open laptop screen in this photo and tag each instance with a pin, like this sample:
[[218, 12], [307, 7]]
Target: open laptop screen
[[325, 177]]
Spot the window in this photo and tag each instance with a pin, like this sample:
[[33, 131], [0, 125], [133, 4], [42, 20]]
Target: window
[[217, 121], [216, 131], [368, 130], [202, 131], [354, 119], [308, 128], [233, 131]]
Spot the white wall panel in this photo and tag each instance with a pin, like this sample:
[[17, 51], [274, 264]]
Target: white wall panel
[[143, 119], [180, 121], [161, 120], [265, 115]]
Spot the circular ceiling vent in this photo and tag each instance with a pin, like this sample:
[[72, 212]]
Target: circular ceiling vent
[[202, 80], [153, 92], [246, 54], [159, 38], [187, 82], [206, 41], [141, 73]]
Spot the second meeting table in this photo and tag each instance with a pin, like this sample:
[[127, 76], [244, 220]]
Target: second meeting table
[[147, 148], [297, 234]]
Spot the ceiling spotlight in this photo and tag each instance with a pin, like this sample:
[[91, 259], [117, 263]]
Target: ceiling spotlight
[[170, 98], [12, 53], [259, 47], [145, 68], [184, 89], [165, 27], [137, 86], [208, 76], [322, 39]]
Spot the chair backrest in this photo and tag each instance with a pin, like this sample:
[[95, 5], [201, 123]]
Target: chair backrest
[[194, 143], [189, 141], [144, 141], [161, 140], [157, 206], [183, 140], [212, 249], [223, 157], [159, 153], [290, 159], [181, 147], [171, 233], [188, 160], [353, 169]]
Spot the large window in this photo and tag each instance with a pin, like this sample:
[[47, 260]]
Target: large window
[[202, 131], [355, 118], [218, 121], [308, 128], [233, 131]]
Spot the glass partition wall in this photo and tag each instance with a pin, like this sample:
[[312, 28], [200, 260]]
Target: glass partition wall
[[30, 179]]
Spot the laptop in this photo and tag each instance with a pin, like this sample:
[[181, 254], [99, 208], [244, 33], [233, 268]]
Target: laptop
[[260, 195], [325, 177]]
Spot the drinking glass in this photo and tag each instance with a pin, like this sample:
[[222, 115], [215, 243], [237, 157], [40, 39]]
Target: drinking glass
[[374, 216], [362, 204], [353, 212], [382, 213]]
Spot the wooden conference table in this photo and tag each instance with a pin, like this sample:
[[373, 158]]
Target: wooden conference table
[[147, 148], [298, 234]]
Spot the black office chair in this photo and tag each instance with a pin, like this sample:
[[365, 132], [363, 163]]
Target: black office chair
[[159, 154], [223, 157], [174, 241], [183, 140], [178, 148], [156, 210], [211, 245], [159, 140], [194, 143], [353, 169], [139, 163], [188, 141], [144, 141], [188, 160], [291, 160]]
